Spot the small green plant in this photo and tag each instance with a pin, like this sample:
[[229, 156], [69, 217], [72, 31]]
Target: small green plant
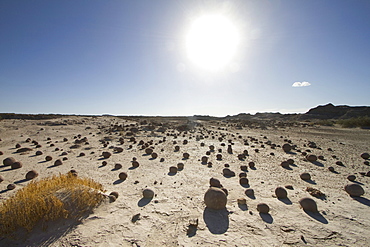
[[49, 199]]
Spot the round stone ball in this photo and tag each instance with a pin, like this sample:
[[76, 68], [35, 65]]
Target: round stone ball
[[204, 159], [10, 186], [249, 192], [308, 204], [290, 161], [365, 156], [8, 161], [16, 165], [285, 164], [330, 168], [106, 155], [31, 174], [351, 178], [114, 193], [180, 166], [214, 182], [135, 163], [39, 152], [354, 189], [243, 181], [173, 169], [148, 193], [154, 155], [311, 158], [117, 166], [122, 176], [186, 155], [305, 176], [287, 147], [148, 151], [48, 158], [215, 198], [281, 193], [263, 208], [58, 163]]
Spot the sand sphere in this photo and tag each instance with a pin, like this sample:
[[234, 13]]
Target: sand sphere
[[117, 166], [10, 186], [9, 161], [135, 163], [354, 189], [31, 175], [204, 159], [308, 204], [351, 178], [281, 193], [305, 176], [180, 166], [186, 155], [263, 208], [215, 198], [243, 181], [148, 193], [106, 155], [122, 175], [227, 172], [365, 156], [154, 155], [285, 164], [249, 192], [114, 193], [16, 165], [58, 163], [311, 158], [287, 147], [173, 169], [214, 182]]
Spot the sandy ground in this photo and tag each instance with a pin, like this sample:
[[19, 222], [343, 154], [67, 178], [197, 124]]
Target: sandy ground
[[164, 221]]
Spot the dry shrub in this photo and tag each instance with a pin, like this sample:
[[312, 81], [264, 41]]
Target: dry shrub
[[49, 199]]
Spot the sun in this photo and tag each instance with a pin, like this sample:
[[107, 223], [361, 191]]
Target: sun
[[212, 42]]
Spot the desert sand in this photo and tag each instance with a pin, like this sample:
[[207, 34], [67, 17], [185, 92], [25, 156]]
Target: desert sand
[[177, 214]]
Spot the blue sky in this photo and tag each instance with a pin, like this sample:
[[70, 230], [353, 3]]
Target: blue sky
[[129, 57]]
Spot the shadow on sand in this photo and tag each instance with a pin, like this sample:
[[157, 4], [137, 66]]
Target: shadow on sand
[[217, 221], [144, 201], [43, 234], [362, 200], [267, 218], [317, 216]]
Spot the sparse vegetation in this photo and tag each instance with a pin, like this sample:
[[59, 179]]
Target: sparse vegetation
[[362, 122], [49, 199], [325, 122]]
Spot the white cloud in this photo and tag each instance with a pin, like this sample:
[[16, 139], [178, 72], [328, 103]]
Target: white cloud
[[301, 84]]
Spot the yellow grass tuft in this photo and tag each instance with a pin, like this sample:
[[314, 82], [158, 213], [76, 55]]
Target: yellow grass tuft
[[51, 198]]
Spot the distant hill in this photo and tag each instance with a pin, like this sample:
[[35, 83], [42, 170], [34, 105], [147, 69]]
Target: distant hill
[[329, 111]]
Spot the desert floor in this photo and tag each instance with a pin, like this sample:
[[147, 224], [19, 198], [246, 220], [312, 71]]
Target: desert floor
[[179, 198]]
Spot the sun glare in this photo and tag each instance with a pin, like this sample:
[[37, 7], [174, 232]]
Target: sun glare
[[211, 42]]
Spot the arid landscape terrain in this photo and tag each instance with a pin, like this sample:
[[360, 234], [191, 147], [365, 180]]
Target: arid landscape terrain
[[177, 214]]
